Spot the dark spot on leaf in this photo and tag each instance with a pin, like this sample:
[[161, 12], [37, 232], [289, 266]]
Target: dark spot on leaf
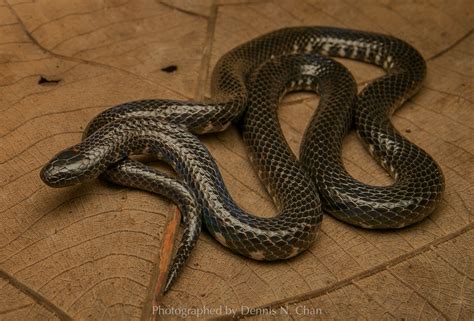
[[170, 69], [408, 130], [45, 81]]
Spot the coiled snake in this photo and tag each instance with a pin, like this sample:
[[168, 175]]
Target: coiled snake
[[249, 81]]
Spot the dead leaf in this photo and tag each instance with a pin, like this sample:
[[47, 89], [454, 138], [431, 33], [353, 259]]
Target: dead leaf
[[90, 252]]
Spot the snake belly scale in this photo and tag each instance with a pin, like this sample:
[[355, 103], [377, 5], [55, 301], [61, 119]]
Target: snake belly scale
[[249, 81]]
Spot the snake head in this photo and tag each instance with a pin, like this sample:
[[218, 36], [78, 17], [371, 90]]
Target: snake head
[[65, 169]]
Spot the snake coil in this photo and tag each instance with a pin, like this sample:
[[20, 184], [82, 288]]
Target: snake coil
[[249, 81]]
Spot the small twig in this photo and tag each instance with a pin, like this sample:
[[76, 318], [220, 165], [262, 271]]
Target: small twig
[[166, 256]]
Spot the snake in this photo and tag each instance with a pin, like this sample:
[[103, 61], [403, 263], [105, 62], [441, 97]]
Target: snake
[[247, 85]]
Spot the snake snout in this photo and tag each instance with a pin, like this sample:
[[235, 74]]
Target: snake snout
[[65, 169]]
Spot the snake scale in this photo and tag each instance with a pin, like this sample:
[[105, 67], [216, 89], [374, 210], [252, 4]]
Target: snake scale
[[248, 83]]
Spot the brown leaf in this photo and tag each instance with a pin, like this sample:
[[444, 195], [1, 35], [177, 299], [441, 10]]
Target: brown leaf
[[90, 252]]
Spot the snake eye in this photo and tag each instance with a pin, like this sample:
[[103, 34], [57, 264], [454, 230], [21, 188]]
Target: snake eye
[[68, 154], [64, 169]]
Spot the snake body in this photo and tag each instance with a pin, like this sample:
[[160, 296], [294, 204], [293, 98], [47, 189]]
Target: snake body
[[250, 80]]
